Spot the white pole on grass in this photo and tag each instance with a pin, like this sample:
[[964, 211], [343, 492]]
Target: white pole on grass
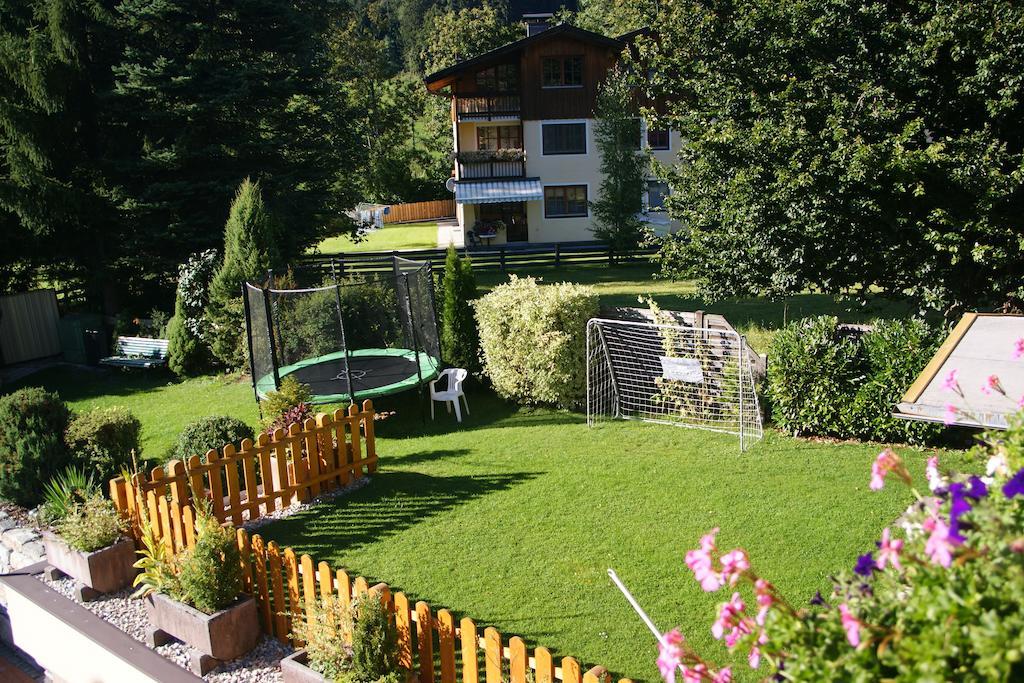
[[635, 605]]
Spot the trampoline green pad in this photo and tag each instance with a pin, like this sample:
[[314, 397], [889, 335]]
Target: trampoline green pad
[[374, 373]]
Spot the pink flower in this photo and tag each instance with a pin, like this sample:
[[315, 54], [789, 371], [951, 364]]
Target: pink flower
[[939, 545], [734, 563], [949, 417], [727, 616], [670, 654], [1020, 402], [883, 464], [952, 381], [765, 600], [702, 564], [1018, 348], [889, 551], [754, 658], [695, 673], [723, 676], [931, 471], [850, 624], [993, 384]]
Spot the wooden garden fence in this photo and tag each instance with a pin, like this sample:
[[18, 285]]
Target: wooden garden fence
[[322, 454], [420, 211]]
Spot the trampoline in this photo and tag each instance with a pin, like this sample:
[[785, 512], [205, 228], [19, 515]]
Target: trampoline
[[360, 338]]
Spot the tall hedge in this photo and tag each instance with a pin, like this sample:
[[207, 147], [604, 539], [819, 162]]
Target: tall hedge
[[533, 340], [460, 342], [827, 380]]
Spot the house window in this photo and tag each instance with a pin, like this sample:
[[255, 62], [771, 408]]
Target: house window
[[565, 201], [564, 138], [657, 191], [499, 137], [657, 139], [501, 78], [562, 72]]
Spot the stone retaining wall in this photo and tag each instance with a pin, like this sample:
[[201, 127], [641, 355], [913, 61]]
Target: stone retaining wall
[[20, 546]]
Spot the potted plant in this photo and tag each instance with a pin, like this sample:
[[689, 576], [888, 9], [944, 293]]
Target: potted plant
[[85, 539], [357, 645], [197, 596]]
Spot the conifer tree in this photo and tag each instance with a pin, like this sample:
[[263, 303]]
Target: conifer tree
[[460, 341]]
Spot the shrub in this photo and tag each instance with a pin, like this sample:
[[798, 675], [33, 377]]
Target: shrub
[[32, 448], [460, 342], [104, 439], [325, 637], [212, 432], [188, 352], [71, 487], [374, 641], [532, 340], [291, 393], [91, 525], [828, 381], [225, 332], [210, 573], [938, 597]]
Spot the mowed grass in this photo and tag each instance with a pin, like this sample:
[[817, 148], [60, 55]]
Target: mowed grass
[[387, 238], [515, 517]]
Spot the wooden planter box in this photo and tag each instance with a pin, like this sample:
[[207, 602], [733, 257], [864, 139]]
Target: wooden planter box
[[103, 571], [294, 669], [216, 637]]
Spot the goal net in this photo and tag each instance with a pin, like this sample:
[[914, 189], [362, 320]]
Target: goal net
[[672, 374]]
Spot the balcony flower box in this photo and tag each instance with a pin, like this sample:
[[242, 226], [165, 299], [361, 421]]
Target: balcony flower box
[[106, 570], [295, 669], [218, 637], [484, 155]]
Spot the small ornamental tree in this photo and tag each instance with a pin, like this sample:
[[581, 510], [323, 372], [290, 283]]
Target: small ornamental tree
[[248, 253], [623, 168], [188, 353], [460, 341]]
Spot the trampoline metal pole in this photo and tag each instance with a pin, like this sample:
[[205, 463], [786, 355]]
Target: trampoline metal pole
[[248, 338], [344, 344], [270, 334], [415, 347]]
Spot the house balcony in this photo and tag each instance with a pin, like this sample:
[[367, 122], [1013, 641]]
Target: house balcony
[[487, 107], [484, 165]]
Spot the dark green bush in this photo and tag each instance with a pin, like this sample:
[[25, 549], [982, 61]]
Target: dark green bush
[[460, 341], [210, 574], [103, 439], [212, 432], [32, 448], [829, 381]]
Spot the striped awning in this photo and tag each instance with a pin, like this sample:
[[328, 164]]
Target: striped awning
[[498, 191]]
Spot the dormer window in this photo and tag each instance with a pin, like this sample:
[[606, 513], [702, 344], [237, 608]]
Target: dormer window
[[501, 78], [563, 72]]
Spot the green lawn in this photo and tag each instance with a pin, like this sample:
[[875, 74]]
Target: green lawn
[[515, 517], [401, 236]]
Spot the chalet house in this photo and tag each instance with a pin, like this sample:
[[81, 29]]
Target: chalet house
[[526, 164]]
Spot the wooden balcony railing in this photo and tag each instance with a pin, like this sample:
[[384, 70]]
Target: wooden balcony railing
[[492, 169], [487, 107]]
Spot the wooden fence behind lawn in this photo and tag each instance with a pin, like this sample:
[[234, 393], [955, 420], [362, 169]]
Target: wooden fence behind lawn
[[420, 211], [326, 452]]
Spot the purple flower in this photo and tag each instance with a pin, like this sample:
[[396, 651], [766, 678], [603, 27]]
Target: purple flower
[[817, 599], [865, 565], [1015, 487], [978, 488]]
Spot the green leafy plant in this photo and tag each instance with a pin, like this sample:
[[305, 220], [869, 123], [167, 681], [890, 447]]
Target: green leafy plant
[[211, 432], [326, 636], [91, 525], [291, 394], [374, 642], [71, 487], [105, 439], [460, 342], [533, 340], [32, 448], [210, 573], [157, 567]]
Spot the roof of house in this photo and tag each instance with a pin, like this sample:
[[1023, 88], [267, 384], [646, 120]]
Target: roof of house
[[444, 77]]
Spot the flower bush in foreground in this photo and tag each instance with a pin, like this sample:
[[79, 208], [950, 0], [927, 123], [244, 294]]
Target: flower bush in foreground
[[939, 597]]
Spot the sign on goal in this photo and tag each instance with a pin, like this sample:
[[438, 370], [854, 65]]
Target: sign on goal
[[679, 375]]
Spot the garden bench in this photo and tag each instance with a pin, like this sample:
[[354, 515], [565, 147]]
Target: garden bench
[[138, 352]]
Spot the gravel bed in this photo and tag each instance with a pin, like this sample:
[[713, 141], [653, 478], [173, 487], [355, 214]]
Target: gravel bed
[[260, 665], [296, 507]]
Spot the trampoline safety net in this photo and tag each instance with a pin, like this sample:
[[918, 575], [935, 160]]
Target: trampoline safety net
[[347, 339]]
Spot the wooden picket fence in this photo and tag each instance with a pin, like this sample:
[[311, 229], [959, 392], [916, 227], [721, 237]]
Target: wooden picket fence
[[420, 211], [325, 452], [242, 485]]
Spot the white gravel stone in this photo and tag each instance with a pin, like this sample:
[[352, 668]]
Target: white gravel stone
[[260, 665]]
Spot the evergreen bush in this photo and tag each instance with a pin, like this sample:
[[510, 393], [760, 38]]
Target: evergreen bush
[[210, 574], [188, 353], [211, 432], [32, 448], [104, 439], [374, 642], [460, 342], [533, 340]]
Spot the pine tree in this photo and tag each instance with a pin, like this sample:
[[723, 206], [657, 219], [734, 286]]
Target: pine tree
[[460, 341], [617, 135]]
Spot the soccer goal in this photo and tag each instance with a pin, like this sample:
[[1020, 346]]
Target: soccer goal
[[674, 374]]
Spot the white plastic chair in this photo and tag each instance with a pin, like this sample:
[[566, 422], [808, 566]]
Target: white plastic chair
[[454, 378]]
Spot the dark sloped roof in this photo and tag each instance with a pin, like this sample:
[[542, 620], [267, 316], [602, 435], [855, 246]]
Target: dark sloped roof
[[440, 79]]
